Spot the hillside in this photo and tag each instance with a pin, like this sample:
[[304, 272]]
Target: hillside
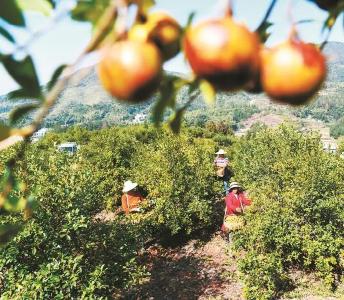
[[84, 102]]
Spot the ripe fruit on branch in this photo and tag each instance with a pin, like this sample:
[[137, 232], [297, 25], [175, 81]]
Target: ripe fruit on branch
[[130, 70], [223, 52], [160, 29], [293, 72]]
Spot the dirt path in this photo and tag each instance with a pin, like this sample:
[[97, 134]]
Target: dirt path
[[196, 270]]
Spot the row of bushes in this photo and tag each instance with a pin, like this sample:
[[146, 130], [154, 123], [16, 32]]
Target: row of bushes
[[297, 221], [62, 252]]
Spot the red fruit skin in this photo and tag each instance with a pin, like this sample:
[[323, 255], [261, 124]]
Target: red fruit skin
[[293, 72], [166, 34], [131, 70], [222, 52]]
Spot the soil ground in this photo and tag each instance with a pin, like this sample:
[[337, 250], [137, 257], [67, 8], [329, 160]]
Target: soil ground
[[208, 270], [197, 270]]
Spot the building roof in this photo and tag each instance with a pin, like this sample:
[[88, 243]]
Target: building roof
[[67, 144]]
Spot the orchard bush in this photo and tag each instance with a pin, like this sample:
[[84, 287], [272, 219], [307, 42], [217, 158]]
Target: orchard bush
[[178, 174], [62, 251], [297, 218]]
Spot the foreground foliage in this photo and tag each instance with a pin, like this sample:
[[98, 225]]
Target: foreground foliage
[[63, 252]]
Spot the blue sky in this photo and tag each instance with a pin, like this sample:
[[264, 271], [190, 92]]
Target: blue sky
[[65, 40]]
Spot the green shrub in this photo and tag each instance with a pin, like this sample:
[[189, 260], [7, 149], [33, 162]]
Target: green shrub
[[179, 181], [63, 252], [297, 217]]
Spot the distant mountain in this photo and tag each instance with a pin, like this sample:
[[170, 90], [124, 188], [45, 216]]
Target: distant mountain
[[334, 52], [85, 102]]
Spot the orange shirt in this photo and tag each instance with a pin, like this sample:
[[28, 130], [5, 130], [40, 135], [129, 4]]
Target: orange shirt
[[130, 201]]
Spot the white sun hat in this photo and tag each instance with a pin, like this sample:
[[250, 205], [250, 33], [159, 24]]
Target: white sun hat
[[234, 185], [128, 186], [221, 151]]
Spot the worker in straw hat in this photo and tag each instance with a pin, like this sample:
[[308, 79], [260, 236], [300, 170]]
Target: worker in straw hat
[[236, 202], [223, 172], [131, 197]]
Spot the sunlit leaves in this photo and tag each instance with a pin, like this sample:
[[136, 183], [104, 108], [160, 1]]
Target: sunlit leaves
[[24, 73], [89, 11], [143, 5], [208, 92], [11, 13], [42, 6]]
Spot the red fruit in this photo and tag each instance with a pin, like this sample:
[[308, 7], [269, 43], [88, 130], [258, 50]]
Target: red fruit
[[223, 52], [131, 70], [160, 29], [293, 72]]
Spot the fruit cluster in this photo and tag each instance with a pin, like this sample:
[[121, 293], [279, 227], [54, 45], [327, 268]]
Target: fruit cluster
[[131, 69], [221, 51]]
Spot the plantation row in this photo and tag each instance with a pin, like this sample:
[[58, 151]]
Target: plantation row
[[63, 251]]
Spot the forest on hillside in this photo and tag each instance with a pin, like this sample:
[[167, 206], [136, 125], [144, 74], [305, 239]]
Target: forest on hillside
[[64, 251]]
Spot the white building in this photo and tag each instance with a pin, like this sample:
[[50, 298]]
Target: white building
[[139, 118], [329, 145], [69, 147], [39, 134]]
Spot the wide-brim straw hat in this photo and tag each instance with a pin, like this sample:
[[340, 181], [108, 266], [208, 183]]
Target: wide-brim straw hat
[[221, 151], [234, 185], [128, 186]]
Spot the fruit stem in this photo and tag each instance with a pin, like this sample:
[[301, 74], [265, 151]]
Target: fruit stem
[[267, 14], [328, 33], [293, 36], [229, 9]]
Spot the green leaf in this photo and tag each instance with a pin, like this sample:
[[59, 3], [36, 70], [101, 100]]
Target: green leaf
[[5, 131], [143, 5], [307, 21], [262, 31], [11, 13], [89, 11], [19, 94], [189, 21], [53, 3], [176, 121], [14, 200], [19, 112], [168, 91], [208, 92], [146, 5], [56, 76], [6, 35], [42, 6], [7, 232], [24, 73]]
